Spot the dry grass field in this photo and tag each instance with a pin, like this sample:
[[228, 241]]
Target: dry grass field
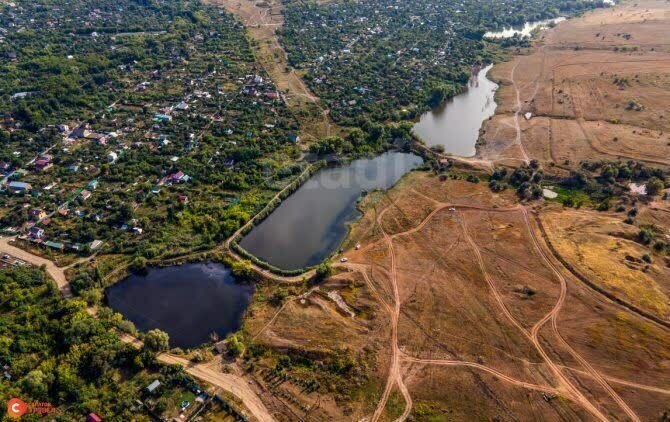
[[462, 311], [597, 87]]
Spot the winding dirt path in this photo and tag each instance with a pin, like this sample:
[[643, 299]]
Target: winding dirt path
[[565, 386]]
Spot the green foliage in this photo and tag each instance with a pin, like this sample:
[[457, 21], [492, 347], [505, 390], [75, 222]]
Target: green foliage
[[323, 271], [157, 341], [57, 352]]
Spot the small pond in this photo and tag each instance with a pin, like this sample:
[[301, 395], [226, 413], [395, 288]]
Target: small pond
[[455, 124], [189, 302], [311, 223]]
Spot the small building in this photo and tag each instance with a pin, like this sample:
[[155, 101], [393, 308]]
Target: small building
[[177, 177], [95, 244], [112, 157], [19, 187], [55, 245], [153, 386], [183, 199], [85, 194], [92, 185], [37, 214], [43, 164], [36, 232], [163, 118], [92, 417]]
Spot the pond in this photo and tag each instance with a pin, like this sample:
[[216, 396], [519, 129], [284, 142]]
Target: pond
[[311, 223], [189, 302], [455, 124], [526, 30]]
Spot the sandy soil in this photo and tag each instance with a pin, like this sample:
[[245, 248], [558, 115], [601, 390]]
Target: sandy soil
[[597, 86], [455, 287]]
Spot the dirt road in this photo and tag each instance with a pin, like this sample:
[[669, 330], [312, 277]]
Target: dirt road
[[209, 373], [231, 383], [57, 273]]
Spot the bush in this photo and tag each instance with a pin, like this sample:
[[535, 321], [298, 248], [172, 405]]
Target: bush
[[157, 341]]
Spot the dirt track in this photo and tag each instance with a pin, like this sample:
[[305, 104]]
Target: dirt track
[[57, 273], [578, 82]]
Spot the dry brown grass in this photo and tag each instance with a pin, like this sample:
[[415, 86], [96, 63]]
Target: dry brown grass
[[448, 311], [568, 83]]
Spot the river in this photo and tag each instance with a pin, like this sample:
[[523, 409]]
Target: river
[[189, 302], [311, 223], [455, 124]]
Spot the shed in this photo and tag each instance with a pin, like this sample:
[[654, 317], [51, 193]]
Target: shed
[[92, 417], [153, 386]]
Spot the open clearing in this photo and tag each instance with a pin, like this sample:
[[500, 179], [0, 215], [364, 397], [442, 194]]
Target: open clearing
[[454, 287], [598, 87]]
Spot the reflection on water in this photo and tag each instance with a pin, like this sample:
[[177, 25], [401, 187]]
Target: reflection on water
[[455, 124], [312, 222], [527, 29]]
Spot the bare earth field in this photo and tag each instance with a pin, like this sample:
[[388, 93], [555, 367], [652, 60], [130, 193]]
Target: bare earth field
[[597, 87], [462, 312], [262, 18]]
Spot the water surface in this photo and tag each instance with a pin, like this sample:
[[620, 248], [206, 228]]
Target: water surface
[[189, 302], [311, 223], [455, 124], [526, 30]]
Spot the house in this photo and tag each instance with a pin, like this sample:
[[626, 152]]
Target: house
[[63, 211], [92, 185], [81, 131], [177, 177], [95, 244], [92, 417], [85, 194], [182, 106], [55, 245], [163, 118], [183, 199], [36, 232], [19, 187], [153, 386], [42, 164], [37, 214]]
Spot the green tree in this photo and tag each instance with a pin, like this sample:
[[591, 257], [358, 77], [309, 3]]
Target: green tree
[[654, 186], [157, 341]]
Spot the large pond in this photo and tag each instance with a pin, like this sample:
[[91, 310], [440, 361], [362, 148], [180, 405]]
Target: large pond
[[311, 223], [189, 302], [455, 124], [526, 30]]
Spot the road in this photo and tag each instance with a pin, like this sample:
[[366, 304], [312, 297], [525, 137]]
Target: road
[[565, 386], [209, 373], [57, 273], [231, 383]]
